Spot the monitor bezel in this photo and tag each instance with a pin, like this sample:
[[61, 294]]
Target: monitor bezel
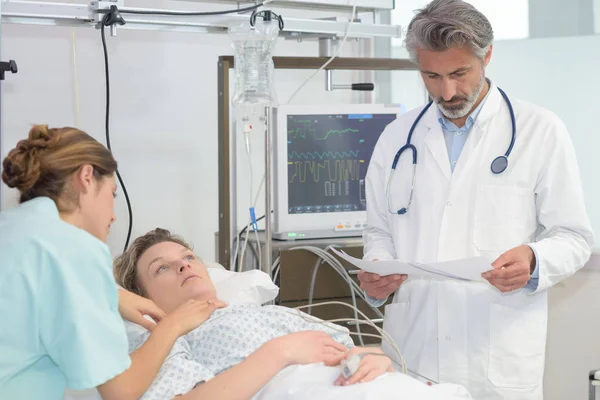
[[326, 221]]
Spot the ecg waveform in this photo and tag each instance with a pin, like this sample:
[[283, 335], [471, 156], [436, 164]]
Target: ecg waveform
[[327, 159], [308, 130], [313, 155], [343, 170]]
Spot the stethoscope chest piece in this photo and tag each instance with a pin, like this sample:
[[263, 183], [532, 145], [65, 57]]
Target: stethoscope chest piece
[[499, 164]]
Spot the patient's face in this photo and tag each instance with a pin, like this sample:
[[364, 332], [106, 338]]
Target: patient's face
[[171, 274]]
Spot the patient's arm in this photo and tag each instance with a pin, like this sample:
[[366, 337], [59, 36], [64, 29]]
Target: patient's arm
[[373, 363], [245, 379], [147, 360]]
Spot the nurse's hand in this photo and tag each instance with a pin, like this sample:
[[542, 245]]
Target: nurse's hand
[[512, 270], [133, 308], [191, 315], [380, 287]]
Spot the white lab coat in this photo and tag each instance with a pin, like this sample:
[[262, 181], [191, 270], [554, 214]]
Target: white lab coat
[[470, 333]]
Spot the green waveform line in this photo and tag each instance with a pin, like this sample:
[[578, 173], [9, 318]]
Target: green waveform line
[[302, 132], [320, 156]]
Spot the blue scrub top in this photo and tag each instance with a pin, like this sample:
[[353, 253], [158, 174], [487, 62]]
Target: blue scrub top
[[59, 319]]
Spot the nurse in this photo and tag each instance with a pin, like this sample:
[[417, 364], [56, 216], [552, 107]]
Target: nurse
[[58, 299], [495, 177]]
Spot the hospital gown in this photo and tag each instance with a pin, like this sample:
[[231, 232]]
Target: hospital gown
[[224, 340]]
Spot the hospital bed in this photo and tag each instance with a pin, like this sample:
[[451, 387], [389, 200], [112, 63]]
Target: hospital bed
[[304, 382]]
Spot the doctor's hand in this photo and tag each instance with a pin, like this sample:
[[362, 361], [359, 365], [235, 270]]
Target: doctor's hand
[[512, 270], [133, 308], [191, 315], [380, 287]]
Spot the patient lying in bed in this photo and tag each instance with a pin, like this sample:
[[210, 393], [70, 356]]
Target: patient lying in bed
[[246, 351]]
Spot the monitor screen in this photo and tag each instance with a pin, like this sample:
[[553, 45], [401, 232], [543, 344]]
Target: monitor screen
[[327, 160]]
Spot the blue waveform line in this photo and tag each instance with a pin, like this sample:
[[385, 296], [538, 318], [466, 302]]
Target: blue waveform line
[[320, 156]]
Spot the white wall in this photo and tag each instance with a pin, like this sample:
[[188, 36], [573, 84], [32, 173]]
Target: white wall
[[510, 18], [556, 18], [553, 73], [596, 16], [164, 114], [572, 349]]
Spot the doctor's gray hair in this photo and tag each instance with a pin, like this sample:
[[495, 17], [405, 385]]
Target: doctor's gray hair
[[444, 24]]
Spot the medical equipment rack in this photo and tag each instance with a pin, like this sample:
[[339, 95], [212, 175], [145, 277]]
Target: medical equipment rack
[[225, 64]]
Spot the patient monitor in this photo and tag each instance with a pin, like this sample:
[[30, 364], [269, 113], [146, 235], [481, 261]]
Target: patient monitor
[[321, 160]]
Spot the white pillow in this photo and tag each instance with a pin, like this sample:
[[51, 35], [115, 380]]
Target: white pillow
[[249, 287], [234, 288]]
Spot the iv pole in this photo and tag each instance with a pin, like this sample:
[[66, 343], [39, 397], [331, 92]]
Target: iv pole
[[268, 231], [5, 66]]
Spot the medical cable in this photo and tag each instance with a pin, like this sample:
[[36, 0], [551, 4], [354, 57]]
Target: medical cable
[[275, 268], [75, 75], [191, 13], [339, 268], [252, 204], [335, 54], [368, 322], [351, 365], [238, 239], [251, 201], [107, 126], [336, 265], [384, 335]]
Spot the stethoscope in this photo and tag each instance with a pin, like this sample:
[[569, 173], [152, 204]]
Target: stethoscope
[[498, 166]]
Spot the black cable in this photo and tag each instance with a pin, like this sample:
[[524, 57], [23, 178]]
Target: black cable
[[107, 121], [239, 238], [189, 13], [246, 227]]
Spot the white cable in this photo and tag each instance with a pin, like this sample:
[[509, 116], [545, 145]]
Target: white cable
[[245, 246], [76, 102], [238, 267], [337, 52], [333, 262], [259, 251], [275, 268], [337, 266], [384, 334]]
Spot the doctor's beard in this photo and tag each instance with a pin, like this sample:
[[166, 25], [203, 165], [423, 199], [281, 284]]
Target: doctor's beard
[[465, 103]]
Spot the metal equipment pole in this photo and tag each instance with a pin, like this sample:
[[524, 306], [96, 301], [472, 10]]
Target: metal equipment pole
[[268, 231]]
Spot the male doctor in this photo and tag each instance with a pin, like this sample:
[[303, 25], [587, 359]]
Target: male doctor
[[524, 212]]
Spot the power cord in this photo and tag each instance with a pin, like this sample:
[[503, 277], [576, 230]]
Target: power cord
[[191, 13], [336, 54], [111, 18]]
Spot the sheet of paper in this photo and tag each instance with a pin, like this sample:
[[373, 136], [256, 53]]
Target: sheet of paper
[[467, 269]]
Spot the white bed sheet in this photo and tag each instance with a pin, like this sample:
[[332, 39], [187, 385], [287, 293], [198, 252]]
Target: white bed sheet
[[315, 381], [309, 382]]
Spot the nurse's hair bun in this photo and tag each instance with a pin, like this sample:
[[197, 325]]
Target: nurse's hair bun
[[43, 164], [22, 167]]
